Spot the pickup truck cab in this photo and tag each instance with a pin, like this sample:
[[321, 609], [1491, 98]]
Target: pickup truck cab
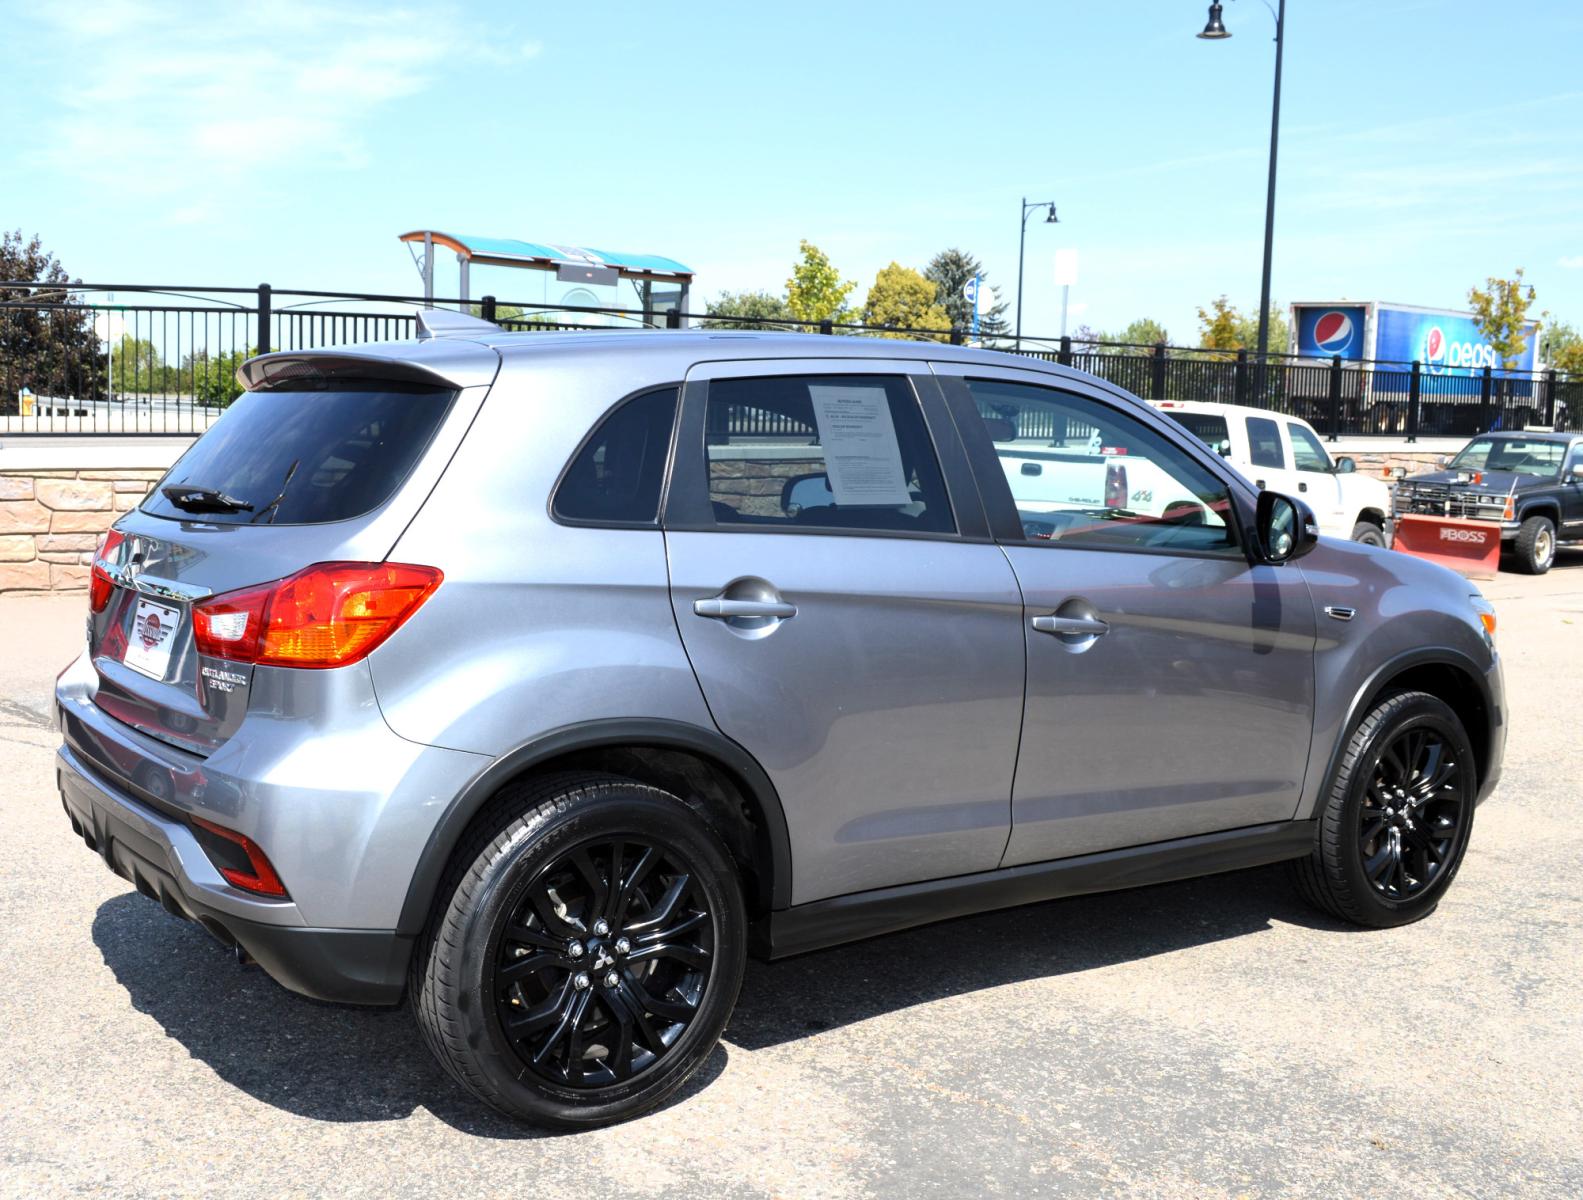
[[1285, 455], [1531, 482]]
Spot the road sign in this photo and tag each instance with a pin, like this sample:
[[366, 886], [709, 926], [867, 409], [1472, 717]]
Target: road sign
[[970, 291]]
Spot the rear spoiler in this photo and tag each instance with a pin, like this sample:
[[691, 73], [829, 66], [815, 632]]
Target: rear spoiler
[[296, 368]]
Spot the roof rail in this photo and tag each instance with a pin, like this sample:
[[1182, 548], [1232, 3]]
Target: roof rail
[[442, 322]]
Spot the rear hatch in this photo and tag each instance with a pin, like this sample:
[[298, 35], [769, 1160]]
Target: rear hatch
[[326, 458]]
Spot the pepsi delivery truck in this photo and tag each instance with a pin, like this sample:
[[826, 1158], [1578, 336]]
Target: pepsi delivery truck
[[1443, 340]]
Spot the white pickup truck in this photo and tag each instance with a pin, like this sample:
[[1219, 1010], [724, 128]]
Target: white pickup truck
[[1285, 455]]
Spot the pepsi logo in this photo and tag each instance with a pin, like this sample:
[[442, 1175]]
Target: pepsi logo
[[1434, 346], [1333, 331]]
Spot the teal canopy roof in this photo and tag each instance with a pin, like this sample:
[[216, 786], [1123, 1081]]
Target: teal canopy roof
[[548, 256]]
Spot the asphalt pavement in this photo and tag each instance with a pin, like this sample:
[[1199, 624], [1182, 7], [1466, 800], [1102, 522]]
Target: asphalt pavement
[[1211, 1038]]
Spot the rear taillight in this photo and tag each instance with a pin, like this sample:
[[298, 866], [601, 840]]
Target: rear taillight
[[1115, 485], [328, 615], [238, 858], [100, 585]]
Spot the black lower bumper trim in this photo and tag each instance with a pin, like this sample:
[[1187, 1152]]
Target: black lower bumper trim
[[344, 966]]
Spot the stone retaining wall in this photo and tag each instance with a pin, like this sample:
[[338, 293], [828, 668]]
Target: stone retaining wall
[[50, 522]]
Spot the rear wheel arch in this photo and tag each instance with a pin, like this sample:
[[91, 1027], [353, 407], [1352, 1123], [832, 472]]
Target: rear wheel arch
[[1372, 516], [712, 774]]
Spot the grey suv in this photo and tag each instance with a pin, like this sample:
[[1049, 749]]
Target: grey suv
[[539, 678]]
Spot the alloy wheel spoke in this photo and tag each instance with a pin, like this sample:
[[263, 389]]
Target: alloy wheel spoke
[[1379, 866], [663, 907], [531, 964], [629, 886], [570, 1011], [635, 1018], [669, 1010], [534, 938], [540, 1017], [574, 1041], [598, 885]]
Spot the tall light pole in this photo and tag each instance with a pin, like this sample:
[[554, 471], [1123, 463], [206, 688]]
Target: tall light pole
[[1215, 30], [1022, 241]]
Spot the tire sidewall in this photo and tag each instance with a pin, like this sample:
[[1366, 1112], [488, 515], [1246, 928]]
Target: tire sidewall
[[1367, 533], [1424, 711], [610, 810]]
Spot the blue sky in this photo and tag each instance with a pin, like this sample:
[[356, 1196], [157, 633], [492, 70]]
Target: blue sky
[[1424, 145]]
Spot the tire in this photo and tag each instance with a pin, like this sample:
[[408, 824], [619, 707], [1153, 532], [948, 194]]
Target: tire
[[1536, 546], [519, 1021], [1344, 873], [1368, 533]]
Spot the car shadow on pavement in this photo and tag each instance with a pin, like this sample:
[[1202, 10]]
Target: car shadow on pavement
[[328, 1062], [335, 1063], [803, 996]]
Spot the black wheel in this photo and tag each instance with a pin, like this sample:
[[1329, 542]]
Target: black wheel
[[1536, 546], [1395, 825], [587, 953], [1368, 533]]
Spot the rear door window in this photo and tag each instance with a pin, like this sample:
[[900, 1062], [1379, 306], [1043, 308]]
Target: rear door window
[[1264, 443], [1307, 453], [845, 452], [306, 457]]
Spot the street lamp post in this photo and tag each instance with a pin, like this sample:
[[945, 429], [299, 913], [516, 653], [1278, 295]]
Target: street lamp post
[[1022, 241], [1215, 30]]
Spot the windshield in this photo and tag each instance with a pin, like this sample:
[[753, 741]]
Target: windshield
[[1523, 456], [302, 457]]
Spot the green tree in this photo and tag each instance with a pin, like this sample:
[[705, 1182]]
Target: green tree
[[746, 310], [1224, 328], [138, 368], [1500, 310], [949, 271], [211, 378], [1564, 348], [816, 291], [51, 349], [1142, 332], [903, 300]]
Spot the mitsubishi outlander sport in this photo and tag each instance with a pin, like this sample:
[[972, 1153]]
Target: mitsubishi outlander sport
[[538, 679]]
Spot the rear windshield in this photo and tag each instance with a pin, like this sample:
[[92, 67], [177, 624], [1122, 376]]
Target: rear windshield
[[1206, 427], [306, 457]]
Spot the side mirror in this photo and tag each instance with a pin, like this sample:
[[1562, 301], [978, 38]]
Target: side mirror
[[1444, 460], [1346, 465], [1577, 471], [802, 492], [1286, 528], [1224, 449]]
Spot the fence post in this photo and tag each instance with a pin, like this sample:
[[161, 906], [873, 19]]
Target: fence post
[[673, 318], [826, 326], [1414, 385], [1549, 420], [1335, 396], [1240, 377], [956, 335], [1486, 382], [486, 309], [1065, 356], [1157, 372], [263, 318]]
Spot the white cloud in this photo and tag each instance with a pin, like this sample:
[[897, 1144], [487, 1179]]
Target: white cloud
[[167, 100], [1571, 262]]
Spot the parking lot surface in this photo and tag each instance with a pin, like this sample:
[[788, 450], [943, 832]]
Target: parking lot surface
[[1211, 1038]]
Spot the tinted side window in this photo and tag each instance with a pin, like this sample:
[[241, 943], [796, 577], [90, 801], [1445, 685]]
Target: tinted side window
[[1307, 453], [301, 457], [618, 473], [1264, 443], [823, 451], [1085, 474]]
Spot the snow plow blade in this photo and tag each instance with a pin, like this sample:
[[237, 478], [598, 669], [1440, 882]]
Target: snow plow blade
[[1471, 548]]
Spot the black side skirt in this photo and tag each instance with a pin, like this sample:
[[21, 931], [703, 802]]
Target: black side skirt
[[885, 910]]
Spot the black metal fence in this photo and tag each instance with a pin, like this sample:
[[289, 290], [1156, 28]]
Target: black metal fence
[[145, 360]]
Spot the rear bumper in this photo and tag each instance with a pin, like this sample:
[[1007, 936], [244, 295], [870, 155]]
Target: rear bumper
[[159, 856]]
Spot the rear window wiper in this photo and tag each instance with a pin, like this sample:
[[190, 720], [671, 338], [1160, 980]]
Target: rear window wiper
[[193, 498]]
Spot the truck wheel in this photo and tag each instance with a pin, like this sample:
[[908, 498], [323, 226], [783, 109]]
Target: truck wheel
[[1536, 546], [1368, 533], [585, 952], [1395, 823]]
